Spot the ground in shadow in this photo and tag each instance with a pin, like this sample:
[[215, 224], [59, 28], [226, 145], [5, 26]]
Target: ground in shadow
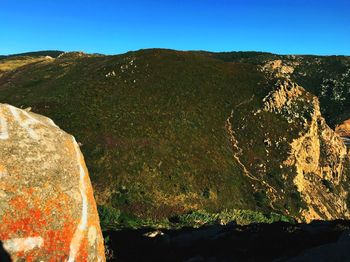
[[318, 241]]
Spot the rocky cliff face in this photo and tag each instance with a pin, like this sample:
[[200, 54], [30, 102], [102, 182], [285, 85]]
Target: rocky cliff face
[[317, 154], [343, 129], [47, 207], [304, 162]]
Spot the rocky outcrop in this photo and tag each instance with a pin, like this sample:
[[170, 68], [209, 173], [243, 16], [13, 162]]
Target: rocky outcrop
[[279, 68], [283, 96], [317, 153], [47, 207], [303, 171], [343, 129], [75, 55]]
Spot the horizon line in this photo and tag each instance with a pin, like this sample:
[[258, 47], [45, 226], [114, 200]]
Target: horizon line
[[178, 50]]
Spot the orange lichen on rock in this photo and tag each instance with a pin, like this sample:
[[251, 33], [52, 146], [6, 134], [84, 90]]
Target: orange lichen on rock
[[47, 206]]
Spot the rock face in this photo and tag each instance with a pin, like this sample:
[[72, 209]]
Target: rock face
[[317, 154], [47, 207], [279, 68], [303, 170], [343, 129]]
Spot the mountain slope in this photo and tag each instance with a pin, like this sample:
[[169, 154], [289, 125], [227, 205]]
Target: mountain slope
[[327, 77], [52, 53], [166, 132]]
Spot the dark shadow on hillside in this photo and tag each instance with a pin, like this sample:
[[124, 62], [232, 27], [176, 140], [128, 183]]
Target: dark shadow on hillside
[[318, 241], [4, 256]]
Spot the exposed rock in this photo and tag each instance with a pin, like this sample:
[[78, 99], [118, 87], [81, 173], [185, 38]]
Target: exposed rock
[[70, 55], [47, 207], [279, 68], [77, 54], [318, 154], [49, 57], [343, 129], [283, 96], [310, 162]]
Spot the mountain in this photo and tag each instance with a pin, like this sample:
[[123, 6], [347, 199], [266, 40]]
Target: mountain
[[177, 137]]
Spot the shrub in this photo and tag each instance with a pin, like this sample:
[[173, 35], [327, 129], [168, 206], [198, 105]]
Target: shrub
[[109, 216]]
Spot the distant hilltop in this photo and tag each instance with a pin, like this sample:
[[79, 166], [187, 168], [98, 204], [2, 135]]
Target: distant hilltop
[[52, 53], [226, 56]]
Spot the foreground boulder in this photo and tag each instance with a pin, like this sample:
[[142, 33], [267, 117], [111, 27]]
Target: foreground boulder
[[47, 207]]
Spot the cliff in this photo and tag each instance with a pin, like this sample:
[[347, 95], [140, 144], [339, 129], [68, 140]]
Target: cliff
[[318, 154], [343, 129]]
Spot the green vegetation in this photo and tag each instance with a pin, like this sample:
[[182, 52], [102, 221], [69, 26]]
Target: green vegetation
[[13, 63], [108, 216], [154, 133], [327, 77], [153, 129], [52, 53], [112, 219]]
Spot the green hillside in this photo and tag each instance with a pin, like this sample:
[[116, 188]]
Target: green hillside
[[153, 125], [327, 77], [52, 53]]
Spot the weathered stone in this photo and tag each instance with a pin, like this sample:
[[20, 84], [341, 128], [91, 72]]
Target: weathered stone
[[317, 163], [343, 129], [279, 68], [47, 208], [318, 152]]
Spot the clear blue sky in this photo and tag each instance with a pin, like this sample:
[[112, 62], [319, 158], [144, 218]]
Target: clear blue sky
[[114, 26]]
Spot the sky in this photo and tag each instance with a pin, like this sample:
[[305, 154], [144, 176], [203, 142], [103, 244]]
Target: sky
[[114, 26]]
